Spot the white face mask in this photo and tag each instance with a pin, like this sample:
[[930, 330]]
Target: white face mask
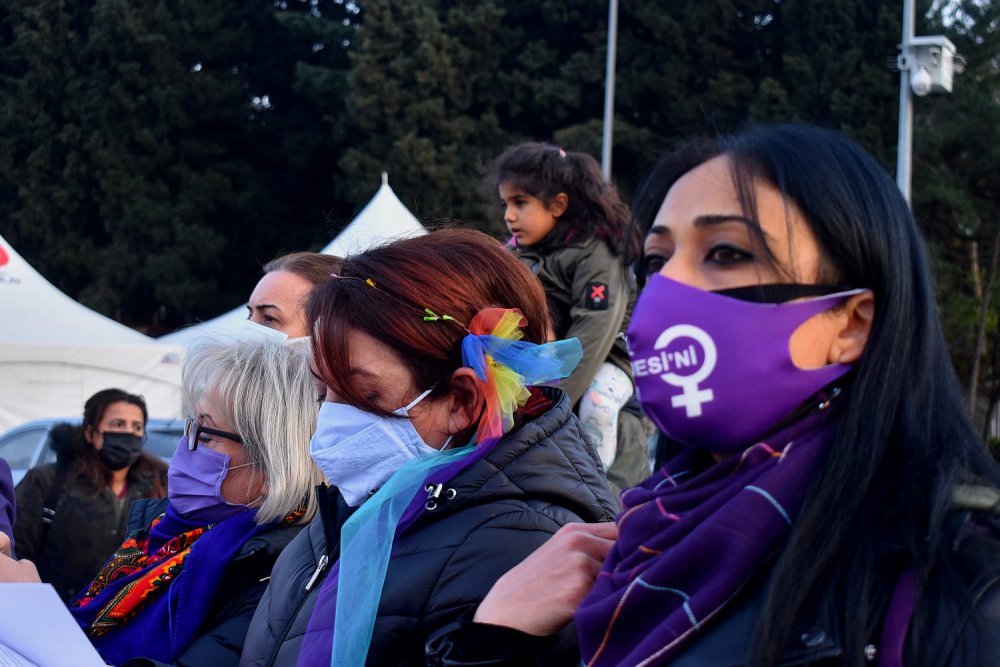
[[358, 451]]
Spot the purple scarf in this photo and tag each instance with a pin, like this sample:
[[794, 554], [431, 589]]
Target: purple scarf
[[167, 625], [689, 541]]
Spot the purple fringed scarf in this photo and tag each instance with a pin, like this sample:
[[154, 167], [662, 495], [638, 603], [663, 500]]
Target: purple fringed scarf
[[688, 542], [167, 625]]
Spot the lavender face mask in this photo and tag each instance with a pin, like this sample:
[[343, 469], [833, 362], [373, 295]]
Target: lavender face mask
[[194, 484], [715, 372]]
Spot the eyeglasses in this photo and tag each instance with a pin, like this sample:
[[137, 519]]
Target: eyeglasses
[[193, 431]]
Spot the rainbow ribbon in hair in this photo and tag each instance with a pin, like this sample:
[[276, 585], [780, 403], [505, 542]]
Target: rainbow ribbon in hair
[[507, 366]]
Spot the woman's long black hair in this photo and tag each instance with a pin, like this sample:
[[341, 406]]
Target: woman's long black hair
[[904, 441]]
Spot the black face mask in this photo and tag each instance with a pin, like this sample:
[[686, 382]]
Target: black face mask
[[779, 292], [120, 450]]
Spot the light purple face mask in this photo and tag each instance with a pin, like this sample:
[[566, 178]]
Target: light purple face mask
[[194, 484], [714, 372]]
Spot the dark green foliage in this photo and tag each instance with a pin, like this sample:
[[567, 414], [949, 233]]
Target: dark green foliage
[[956, 186], [154, 153]]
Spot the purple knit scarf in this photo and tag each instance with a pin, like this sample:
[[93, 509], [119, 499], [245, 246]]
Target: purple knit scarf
[[689, 541]]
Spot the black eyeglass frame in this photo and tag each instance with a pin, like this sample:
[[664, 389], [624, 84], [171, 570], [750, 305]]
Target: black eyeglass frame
[[192, 442]]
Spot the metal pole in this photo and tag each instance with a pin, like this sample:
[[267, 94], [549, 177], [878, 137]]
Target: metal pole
[[904, 156], [609, 89]]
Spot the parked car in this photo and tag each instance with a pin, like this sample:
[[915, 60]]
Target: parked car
[[30, 444]]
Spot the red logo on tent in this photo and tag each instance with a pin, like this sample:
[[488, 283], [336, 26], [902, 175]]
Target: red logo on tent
[[4, 257]]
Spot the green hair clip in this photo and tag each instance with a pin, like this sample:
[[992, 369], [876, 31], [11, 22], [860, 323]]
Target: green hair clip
[[431, 316]]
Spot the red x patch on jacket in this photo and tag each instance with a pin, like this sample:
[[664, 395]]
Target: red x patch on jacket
[[597, 296]]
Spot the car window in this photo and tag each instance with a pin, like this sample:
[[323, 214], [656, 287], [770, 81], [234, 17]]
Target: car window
[[162, 443], [19, 448]]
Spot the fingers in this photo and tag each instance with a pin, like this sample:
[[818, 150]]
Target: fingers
[[539, 595], [17, 571], [5, 545], [591, 539]]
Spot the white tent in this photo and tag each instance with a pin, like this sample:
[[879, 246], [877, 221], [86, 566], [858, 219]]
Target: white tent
[[383, 219], [55, 353]]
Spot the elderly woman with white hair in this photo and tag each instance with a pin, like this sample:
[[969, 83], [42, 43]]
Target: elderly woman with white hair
[[183, 586]]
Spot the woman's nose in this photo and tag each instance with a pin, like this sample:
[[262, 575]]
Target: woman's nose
[[677, 269]]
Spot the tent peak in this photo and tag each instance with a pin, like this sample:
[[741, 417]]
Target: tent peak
[[385, 178]]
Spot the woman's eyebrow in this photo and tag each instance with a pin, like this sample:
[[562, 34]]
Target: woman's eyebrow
[[709, 220], [263, 306], [702, 221], [755, 229]]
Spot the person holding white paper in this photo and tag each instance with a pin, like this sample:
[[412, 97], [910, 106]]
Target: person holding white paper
[[183, 586]]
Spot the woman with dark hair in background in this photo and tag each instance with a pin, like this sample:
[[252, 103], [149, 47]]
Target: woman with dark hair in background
[[449, 463], [831, 503], [71, 514], [279, 298]]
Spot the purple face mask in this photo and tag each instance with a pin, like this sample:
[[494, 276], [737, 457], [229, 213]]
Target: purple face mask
[[714, 372], [194, 484]]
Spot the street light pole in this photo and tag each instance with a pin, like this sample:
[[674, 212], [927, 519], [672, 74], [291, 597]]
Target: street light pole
[[904, 155], [609, 89]]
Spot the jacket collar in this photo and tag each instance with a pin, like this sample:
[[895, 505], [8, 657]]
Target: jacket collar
[[510, 470]]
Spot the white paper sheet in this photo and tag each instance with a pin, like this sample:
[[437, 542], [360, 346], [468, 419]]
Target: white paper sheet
[[37, 626]]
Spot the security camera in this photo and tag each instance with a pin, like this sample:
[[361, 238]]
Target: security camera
[[920, 81]]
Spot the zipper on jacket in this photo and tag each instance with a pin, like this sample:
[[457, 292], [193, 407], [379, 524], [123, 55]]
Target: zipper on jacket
[[434, 494], [284, 633], [320, 566]]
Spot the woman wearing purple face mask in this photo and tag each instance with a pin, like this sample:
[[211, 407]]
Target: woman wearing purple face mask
[[183, 586], [830, 503]]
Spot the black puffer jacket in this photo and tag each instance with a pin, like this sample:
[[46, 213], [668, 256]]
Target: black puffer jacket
[[541, 476], [88, 525]]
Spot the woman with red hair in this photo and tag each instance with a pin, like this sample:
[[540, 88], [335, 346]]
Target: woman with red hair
[[449, 462]]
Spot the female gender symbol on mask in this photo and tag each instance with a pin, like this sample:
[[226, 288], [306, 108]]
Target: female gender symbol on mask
[[692, 397]]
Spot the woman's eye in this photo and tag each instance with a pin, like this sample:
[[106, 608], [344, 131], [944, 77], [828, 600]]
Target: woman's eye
[[726, 254], [650, 264], [270, 320]]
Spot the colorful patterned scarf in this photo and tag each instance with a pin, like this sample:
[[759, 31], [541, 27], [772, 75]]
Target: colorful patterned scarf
[[689, 541], [159, 567], [130, 609]]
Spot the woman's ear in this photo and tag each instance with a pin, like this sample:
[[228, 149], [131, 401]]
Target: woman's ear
[[558, 204], [467, 400], [856, 318], [89, 433]]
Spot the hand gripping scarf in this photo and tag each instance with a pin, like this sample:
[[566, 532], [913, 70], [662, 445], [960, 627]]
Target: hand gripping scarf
[[341, 625], [689, 541]]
